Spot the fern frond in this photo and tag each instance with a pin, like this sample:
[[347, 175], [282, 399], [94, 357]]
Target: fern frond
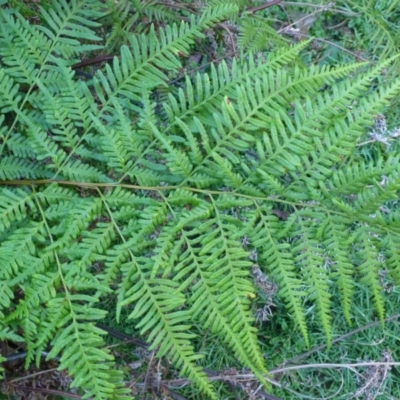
[[207, 306], [210, 89], [13, 206], [93, 245], [382, 33], [83, 355], [70, 22], [18, 47], [275, 258], [332, 233], [6, 334], [148, 52], [157, 203], [344, 133], [390, 247], [256, 34], [67, 226], [227, 264], [157, 306], [254, 106], [14, 168], [9, 101], [367, 252], [309, 257]]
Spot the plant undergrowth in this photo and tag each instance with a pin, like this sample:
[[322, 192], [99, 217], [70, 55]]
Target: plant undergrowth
[[193, 196]]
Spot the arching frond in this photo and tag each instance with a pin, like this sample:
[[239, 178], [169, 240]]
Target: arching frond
[[164, 193]]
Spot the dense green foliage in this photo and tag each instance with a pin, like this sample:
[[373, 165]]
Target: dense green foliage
[[166, 195]]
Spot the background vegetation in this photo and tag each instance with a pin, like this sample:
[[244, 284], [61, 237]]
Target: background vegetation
[[343, 32]]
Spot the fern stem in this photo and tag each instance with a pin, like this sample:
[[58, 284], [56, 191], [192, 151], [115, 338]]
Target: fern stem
[[272, 198]]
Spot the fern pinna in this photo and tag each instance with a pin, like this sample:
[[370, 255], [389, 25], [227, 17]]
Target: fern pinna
[[107, 190]]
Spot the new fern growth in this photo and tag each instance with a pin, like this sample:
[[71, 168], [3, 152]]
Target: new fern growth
[[159, 196]]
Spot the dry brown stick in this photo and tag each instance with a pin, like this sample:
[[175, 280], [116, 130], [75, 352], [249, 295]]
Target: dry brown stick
[[122, 336], [262, 6], [149, 366], [249, 10], [277, 370], [48, 391], [292, 33], [24, 378], [339, 339], [246, 377], [229, 32], [91, 61]]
